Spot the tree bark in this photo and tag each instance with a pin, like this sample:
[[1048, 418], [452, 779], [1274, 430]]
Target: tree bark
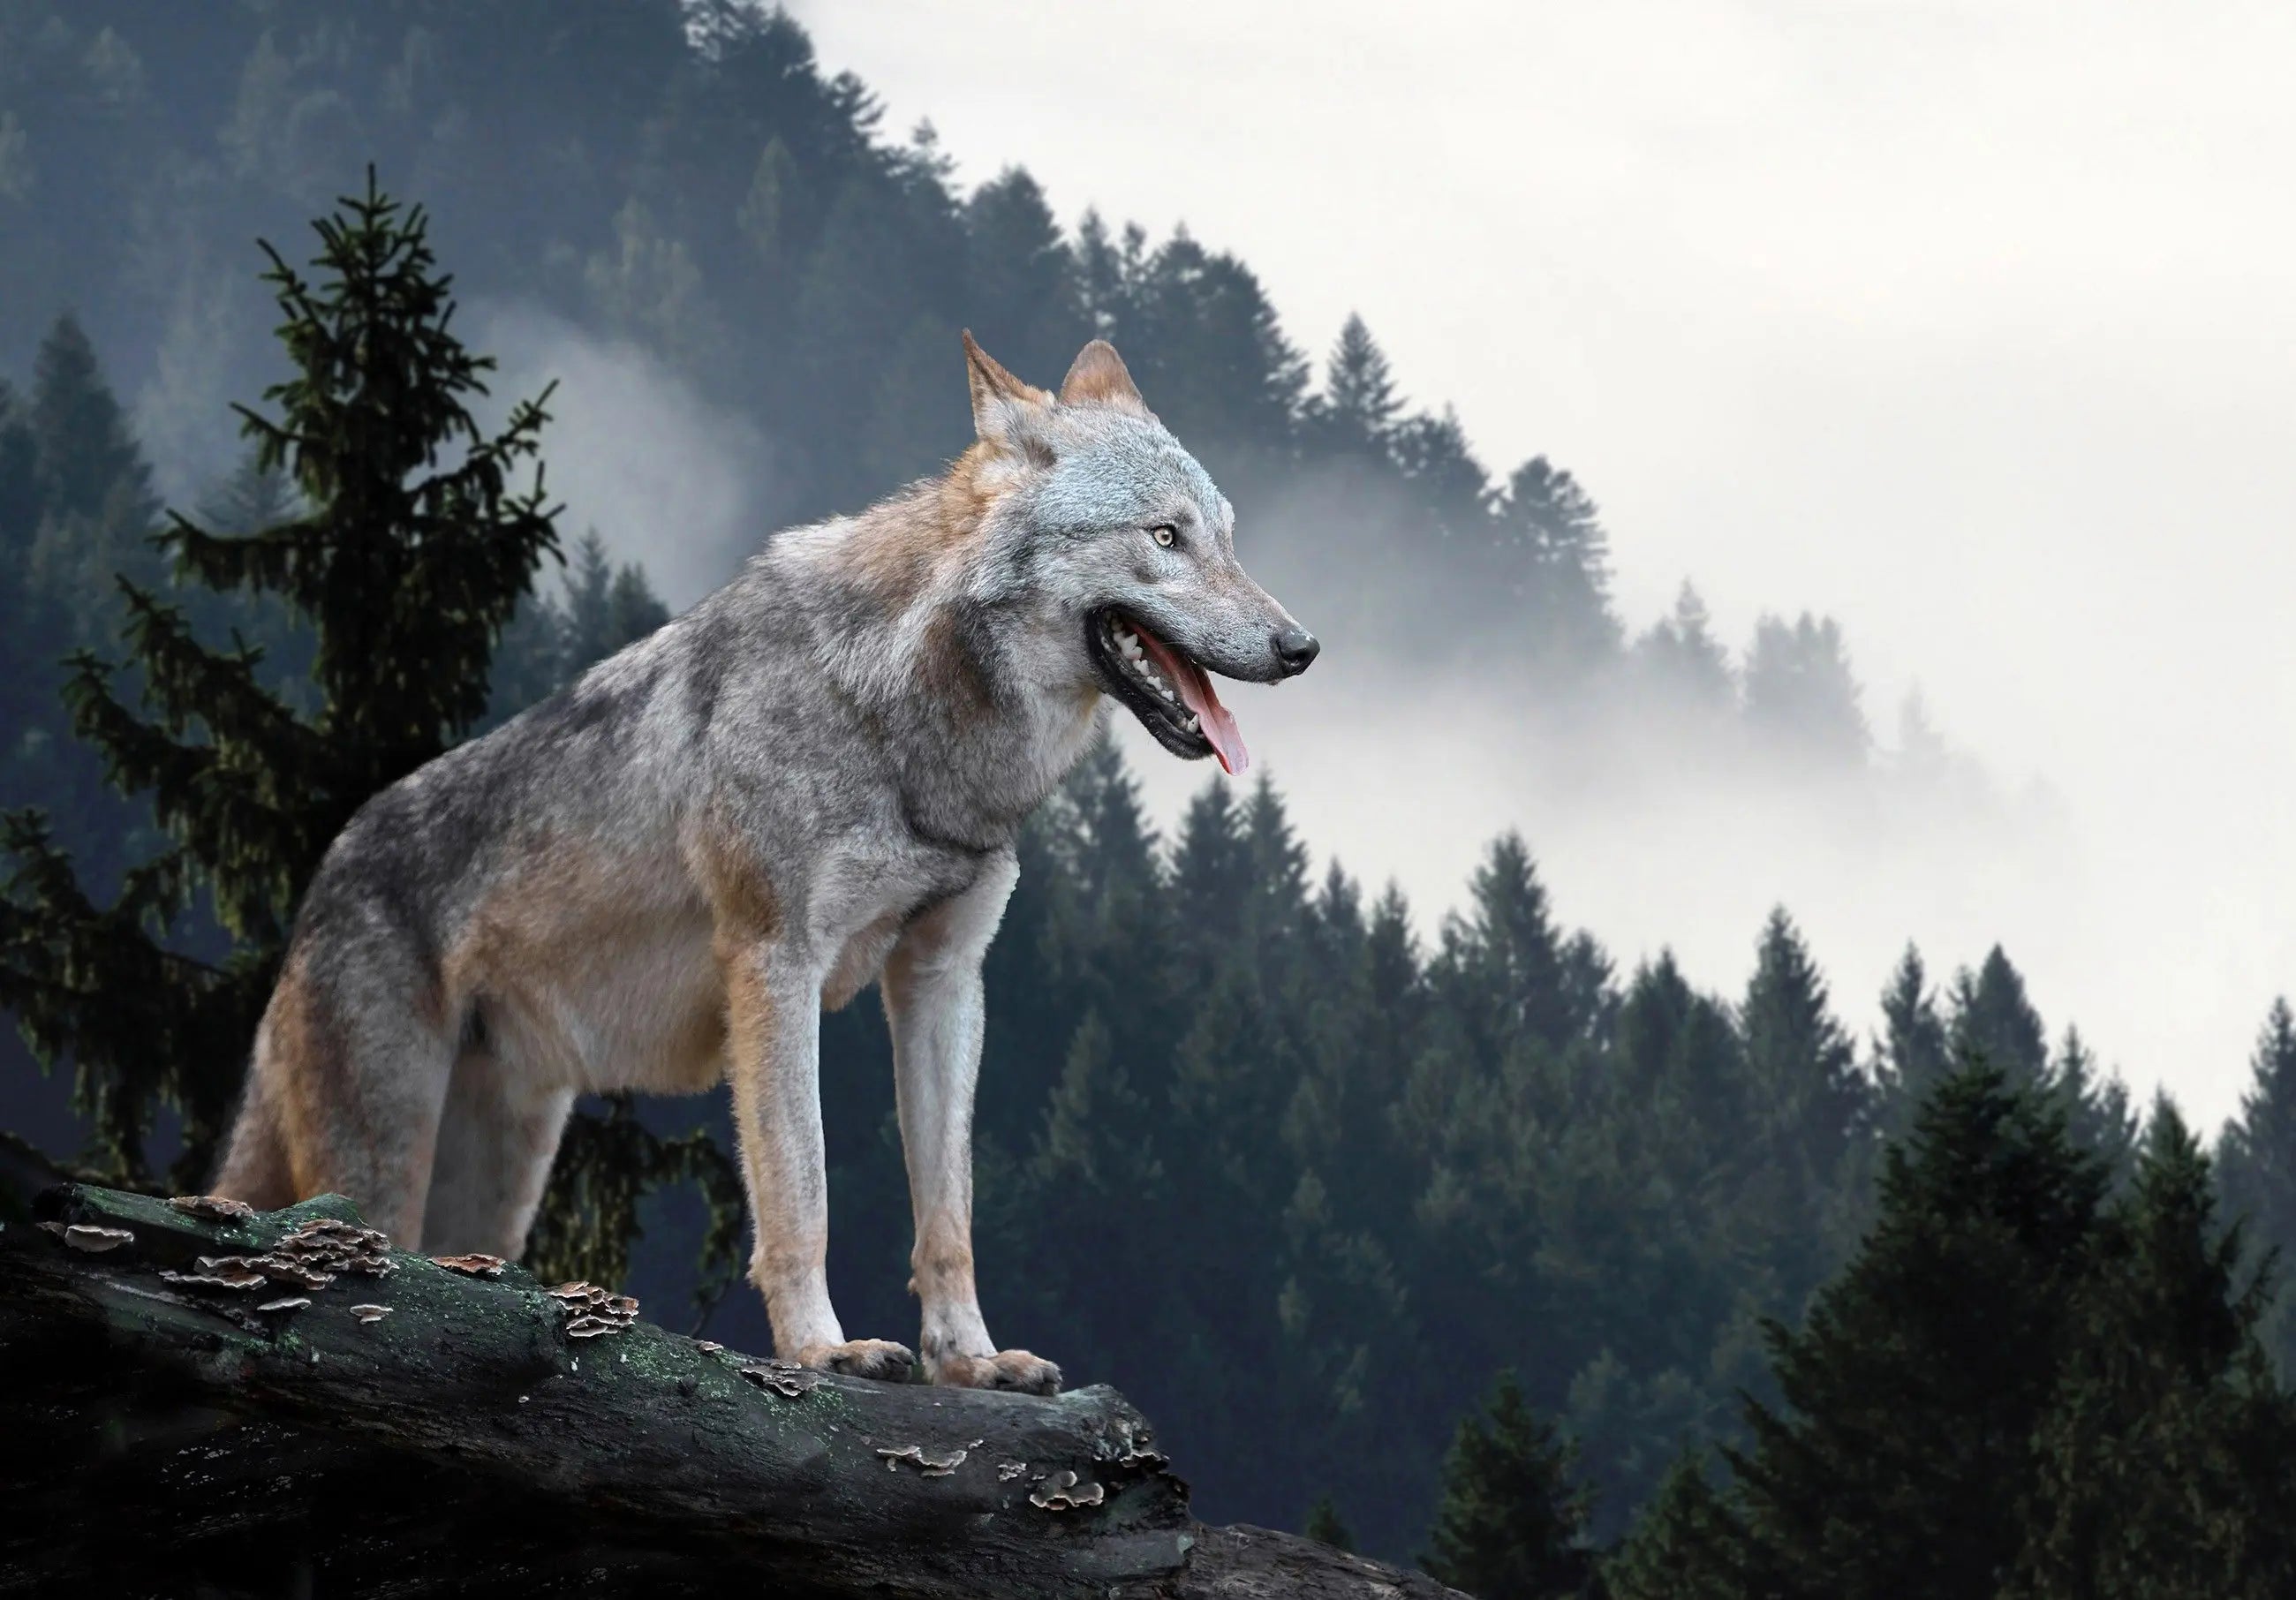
[[170, 1433]]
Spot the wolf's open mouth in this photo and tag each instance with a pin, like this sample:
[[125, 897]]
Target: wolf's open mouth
[[1172, 696]]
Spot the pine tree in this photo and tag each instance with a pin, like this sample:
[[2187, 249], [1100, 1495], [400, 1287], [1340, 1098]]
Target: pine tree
[[1798, 1056], [1211, 873], [632, 607], [83, 516], [769, 208], [2097, 1105], [257, 495], [404, 569], [1913, 1054], [1206, 342], [2164, 1466], [1677, 1047], [605, 608], [1023, 301], [1108, 275], [1897, 1465], [1686, 1546], [1277, 916], [96, 509], [84, 450], [22, 618], [1513, 1523], [1990, 1017], [1512, 964], [1358, 406], [1680, 657], [1555, 561], [1816, 1106], [1802, 697], [1324, 1526], [2257, 1167], [1431, 452]]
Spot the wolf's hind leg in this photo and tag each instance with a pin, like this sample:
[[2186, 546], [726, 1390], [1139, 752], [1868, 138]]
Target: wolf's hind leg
[[933, 1005], [350, 1069], [503, 1115]]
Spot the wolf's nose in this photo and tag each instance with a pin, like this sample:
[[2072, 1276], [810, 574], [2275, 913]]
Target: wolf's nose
[[1295, 647]]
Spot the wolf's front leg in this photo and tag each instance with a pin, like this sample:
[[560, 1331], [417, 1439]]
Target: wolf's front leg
[[774, 1040], [933, 997]]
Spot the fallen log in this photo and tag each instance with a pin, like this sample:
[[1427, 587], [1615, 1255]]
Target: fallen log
[[200, 1399]]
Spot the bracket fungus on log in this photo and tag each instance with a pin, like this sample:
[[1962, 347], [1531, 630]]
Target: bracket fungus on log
[[927, 1466], [93, 1239], [591, 1310], [1063, 1492], [213, 1206], [470, 1450], [786, 1379], [478, 1263]]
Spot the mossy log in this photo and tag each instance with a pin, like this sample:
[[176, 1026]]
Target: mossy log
[[275, 1403]]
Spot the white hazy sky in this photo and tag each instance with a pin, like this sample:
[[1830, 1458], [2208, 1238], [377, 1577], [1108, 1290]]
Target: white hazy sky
[[1972, 325]]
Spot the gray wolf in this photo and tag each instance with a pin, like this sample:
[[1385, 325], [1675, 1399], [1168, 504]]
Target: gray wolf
[[813, 780]]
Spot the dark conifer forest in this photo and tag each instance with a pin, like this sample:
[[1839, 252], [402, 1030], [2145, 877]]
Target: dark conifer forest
[[1452, 1238]]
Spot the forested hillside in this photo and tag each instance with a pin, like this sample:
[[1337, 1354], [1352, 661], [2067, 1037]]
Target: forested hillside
[[1300, 1179]]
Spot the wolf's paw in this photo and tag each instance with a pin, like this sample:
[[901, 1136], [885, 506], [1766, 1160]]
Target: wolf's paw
[[1016, 1370], [878, 1358]]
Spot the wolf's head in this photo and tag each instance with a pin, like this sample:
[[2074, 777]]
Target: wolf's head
[[1120, 539]]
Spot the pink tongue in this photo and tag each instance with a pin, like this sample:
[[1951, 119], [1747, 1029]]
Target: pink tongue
[[1196, 690]]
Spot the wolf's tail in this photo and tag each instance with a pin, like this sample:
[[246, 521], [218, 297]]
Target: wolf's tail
[[257, 1166]]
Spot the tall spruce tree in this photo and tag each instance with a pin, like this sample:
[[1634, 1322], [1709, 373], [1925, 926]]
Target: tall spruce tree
[[1358, 406], [1681, 659], [1989, 1016], [1554, 561], [1802, 697], [24, 698], [1324, 1526], [2167, 1466], [1686, 1546], [85, 454], [411, 550], [1895, 1468], [2097, 1105], [605, 608], [1799, 1057], [1914, 1053], [1816, 1108], [2257, 1168], [1513, 1523]]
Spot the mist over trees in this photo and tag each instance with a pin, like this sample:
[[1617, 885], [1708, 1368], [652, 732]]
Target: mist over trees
[[1304, 1182], [684, 177]]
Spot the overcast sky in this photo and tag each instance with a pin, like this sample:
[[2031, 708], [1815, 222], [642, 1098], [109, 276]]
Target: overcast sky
[[1972, 325]]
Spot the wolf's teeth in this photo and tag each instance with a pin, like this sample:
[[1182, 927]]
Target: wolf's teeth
[[1193, 727]]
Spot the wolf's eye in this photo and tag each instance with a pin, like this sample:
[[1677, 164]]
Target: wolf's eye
[[1164, 533]]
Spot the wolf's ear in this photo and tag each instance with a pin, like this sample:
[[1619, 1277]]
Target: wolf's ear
[[1097, 378], [1006, 412]]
